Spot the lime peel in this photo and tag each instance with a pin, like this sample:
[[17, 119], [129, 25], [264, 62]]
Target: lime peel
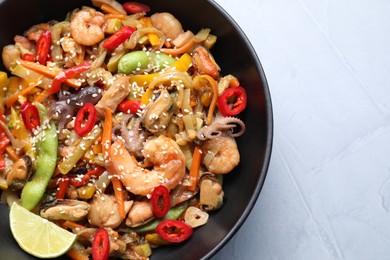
[[38, 236]]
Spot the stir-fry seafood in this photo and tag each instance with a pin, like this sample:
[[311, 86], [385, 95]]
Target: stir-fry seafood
[[117, 124]]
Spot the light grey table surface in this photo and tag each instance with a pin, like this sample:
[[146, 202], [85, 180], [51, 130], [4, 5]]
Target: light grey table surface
[[327, 192]]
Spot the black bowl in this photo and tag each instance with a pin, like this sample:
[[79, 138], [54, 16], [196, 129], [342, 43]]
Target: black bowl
[[236, 56]]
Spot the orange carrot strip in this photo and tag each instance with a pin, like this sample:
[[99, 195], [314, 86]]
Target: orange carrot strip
[[119, 196], [72, 225], [76, 255], [12, 153], [214, 86], [194, 170], [181, 50], [49, 72], [41, 96], [13, 98], [107, 132], [109, 9], [113, 16]]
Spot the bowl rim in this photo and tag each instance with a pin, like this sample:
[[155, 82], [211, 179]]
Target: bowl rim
[[269, 132]]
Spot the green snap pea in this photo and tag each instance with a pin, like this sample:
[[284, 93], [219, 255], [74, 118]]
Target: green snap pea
[[141, 60], [173, 213], [46, 162]]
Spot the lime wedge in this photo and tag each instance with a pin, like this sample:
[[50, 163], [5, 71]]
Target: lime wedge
[[38, 236]]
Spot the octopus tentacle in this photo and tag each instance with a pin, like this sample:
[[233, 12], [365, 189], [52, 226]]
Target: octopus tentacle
[[133, 138], [231, 126]]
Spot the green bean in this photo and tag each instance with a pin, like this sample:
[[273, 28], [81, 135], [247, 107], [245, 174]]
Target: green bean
[[46, 162], [173, 213], [141, 60]]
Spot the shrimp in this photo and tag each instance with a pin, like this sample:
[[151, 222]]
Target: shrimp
[[224, 154], [86, 26], [9, 55], [168, 24], [162, 152]]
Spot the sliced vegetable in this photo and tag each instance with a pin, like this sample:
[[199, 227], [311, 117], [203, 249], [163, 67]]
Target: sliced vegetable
[[174, 231], [161, 201], [135, 7], [130, 106], [119, 196], [119, 37], [101, 245], [194, 170], [63, 186], [4, 142], [66, 74], [69, 162], [28, 57], [30, 116], [77, 182], [232, 101], [43, 47], [173, 213], [45, 165], [85, 119]]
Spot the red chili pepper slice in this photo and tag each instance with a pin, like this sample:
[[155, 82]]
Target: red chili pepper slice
[[63, 185], [101, 245], [130, 106], [28, 57], [85, 119], [135, 7], [232, 101], [43, 47], [77, 182], [30, 115], [119, 37], [67, 74], [160, 201], [174, 231]]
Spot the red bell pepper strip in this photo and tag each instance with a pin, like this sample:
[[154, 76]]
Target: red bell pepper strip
[[119, 37], [67, 74], [160, 201], [77, 182], [63, 186], [30, 115], [101, 245], [28, 57], [232, 101], [174, 231], [85, 119], [130, 106], [4, 142], [135, 7], [43, 47]]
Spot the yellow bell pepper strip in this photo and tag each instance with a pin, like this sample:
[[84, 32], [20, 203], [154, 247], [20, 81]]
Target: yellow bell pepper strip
[[3, 84], [86, 192], [69, 162], [46, 162], [183, 63], [195, 167], [153, 38], [156, 240], [21, 133]]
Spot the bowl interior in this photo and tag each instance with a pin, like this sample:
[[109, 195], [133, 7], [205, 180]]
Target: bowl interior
[[236, 56]]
